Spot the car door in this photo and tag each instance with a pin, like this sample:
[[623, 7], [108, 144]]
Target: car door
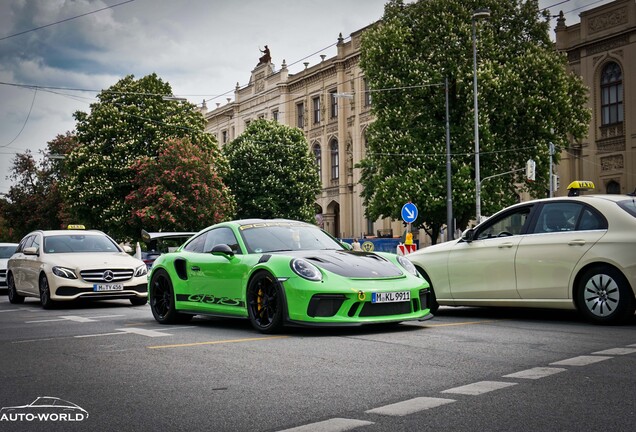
[[19, 262], [216, 281], [31, 266], [559, 236], [484, 268]]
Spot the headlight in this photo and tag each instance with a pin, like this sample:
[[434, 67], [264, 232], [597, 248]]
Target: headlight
[[64, 272], [408, 265], [306, 270], [141, 270]]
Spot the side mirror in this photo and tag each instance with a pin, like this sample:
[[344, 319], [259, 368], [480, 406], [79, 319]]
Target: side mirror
[[467, 235], [30, 251], [223, 250]]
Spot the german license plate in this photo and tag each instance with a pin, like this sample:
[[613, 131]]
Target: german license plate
[[108, 287], [390, 297]]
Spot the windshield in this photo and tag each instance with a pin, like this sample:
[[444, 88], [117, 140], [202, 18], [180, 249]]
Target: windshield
[[629, 206], [7, 251], [78, 243], [286, 236]]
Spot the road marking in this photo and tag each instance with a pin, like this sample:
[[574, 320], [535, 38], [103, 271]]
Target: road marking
[[581, 361], [331, 425], [77, 318], [617, 351], [10, 310], [144, 332], [410, 406], [74, 318], [99, 334], [535, 373], [460, 323], [216, 342], [480, 387]]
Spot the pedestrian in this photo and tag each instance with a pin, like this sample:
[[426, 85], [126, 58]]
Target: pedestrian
[[356, 245]]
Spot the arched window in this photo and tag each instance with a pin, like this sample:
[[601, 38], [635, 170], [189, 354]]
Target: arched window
[[613, 187], [611, 94], [318, 157], [335, 160]]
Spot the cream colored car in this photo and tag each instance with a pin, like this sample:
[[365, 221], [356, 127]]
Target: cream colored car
[[574, 252], [64, 265]]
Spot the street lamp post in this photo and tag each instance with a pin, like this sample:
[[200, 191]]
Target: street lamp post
[[477, 14]]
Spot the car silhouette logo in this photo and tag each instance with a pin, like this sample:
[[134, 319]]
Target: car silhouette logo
[[109, 276]]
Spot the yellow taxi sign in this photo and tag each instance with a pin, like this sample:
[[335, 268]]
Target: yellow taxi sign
[[76, 227], [577, 186]]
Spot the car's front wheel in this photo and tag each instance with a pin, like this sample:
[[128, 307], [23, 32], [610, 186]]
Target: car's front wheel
[[604, 295], [162, 302], [433, 306], [45, 293], [265, 303], [12, 292]]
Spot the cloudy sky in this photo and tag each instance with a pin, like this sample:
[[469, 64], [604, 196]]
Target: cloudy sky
[[56, 55]]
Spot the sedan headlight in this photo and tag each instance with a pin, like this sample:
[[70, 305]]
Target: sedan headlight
[[408, 265], [306, 270], [141, 270], [64, 272]]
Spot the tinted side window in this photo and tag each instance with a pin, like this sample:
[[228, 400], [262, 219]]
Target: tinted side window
[[591, 220], [219, 236], [511, 223], [558, 217], [197, 243]]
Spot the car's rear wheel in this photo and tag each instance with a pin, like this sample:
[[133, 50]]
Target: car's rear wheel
[[162, 302], [604, 295], [45, 293], [138, 301], [12, 292], [265, 303]]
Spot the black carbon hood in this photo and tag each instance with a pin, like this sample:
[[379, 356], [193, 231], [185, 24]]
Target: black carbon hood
[[351, 264]]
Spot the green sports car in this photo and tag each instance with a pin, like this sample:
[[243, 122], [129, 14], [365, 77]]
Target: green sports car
[[277, 272]]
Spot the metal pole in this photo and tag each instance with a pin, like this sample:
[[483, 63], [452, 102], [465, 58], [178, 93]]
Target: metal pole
[[450, 229], [476, 127], [551, 181]]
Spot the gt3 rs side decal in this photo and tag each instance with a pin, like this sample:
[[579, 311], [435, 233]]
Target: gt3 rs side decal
[[210, 299]]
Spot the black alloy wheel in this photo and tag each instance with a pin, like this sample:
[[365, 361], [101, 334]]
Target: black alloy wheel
[[604, 295], [264, 303], [162, 302], [12, 292], [45, 293]]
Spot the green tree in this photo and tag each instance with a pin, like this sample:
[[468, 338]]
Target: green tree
[[131, 120], [272, 174], [34, 200], [180, 189], [526, 99]]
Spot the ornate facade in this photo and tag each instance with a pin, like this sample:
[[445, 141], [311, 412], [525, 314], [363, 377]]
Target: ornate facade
[[602, 50], [331, 103]]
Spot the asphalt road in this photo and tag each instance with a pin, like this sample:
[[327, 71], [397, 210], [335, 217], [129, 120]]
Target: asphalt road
[[468, 369]]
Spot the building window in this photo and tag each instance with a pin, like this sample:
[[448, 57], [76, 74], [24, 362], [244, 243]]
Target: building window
[[224, 137], [275, 115], [611, 94], [335, 160], [318, 157], [300, 115], [261, 116], [316, 109], [367, 93], [333, 99], [247, 123], [613, 187]]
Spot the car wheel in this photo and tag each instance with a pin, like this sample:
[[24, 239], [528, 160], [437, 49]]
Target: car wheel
[[162, 303], [45, 293], [138, 301], [604, 296], [265, 303], [433, 306], [14, 297]]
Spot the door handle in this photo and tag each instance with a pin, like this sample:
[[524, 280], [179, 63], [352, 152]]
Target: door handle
[[505, 245], [195, 268], [576, 243]]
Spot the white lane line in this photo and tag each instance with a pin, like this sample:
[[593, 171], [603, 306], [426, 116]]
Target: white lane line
[[10, 310], [410, 406], [143, 332], [44, 321], [581, 361], [99, 334], [331, 425], [535, 373], [74, 318], [480, 387], [632, 345], [77, 318], [616, 351]]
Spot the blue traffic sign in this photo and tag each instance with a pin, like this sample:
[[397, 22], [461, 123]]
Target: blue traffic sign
[[409, 212]]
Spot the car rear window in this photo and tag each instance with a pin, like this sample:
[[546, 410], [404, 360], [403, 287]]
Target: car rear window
[[629, 206]]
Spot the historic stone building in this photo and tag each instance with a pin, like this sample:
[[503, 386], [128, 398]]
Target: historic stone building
[[601, 48], [330, 102]]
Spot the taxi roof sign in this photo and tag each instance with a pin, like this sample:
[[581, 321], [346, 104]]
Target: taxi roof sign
[[76, 227], [577, 186]]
